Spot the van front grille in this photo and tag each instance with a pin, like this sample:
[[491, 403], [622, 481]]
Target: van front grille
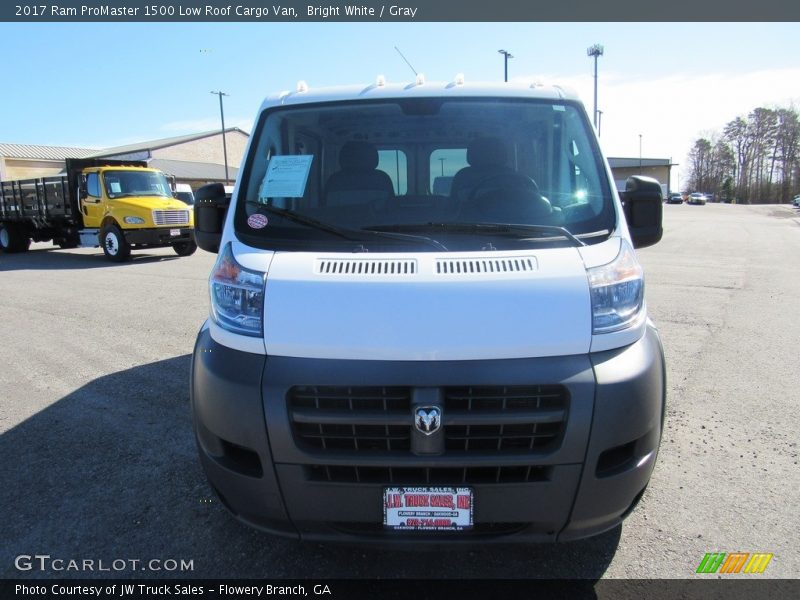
[[504, 418], [476, 419], [428, 475], [352, 418]]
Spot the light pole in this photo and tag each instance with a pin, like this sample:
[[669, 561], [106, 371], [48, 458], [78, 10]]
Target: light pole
[[224, 145], [506, 56], [441, 160], [595, 51], [640, 151], [599, 121]]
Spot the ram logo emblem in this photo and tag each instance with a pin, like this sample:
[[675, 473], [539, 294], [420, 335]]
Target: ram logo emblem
[[428, 419]]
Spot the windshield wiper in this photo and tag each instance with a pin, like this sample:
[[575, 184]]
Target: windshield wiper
[[352, 235], [556, 230]]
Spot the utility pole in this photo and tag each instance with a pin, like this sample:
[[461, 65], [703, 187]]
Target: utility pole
[[599, 121], [640, 151], [224, 145], [506, 56], [596, 51]]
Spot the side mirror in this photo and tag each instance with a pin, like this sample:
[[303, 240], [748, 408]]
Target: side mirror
[[210, 207], [642, 204]]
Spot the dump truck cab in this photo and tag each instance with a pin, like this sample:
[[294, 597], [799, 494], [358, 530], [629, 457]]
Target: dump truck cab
[[133, 207]]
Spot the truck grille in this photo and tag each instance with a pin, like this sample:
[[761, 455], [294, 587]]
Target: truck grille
[[171, 217], [477, 419]]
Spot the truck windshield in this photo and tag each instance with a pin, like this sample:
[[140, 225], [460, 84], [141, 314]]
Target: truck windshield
[[427, 168], [136, 183]]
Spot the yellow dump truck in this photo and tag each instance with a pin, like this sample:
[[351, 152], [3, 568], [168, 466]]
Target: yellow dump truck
[[116, 205]]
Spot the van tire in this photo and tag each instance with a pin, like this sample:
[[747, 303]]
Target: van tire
[[115, 246], [184, 248]]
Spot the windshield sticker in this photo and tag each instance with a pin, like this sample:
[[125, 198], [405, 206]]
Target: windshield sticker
[[559, 108], [286, 177], [115, 187], [257, 221]]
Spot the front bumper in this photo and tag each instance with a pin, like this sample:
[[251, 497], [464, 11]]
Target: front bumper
[[584, 484], [159, 236]]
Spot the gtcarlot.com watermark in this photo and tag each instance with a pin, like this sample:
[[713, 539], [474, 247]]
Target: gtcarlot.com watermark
[[45, 562]]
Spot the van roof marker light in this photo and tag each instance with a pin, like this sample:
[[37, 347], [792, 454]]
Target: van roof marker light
[[420, 79], [380, 81], [459, 79], [302, 87]]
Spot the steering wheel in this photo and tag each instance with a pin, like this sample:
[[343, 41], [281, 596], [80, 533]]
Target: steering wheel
[[511, 182], [508, 197]]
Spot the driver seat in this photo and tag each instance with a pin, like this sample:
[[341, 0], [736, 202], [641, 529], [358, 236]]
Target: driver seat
[[487, 158]]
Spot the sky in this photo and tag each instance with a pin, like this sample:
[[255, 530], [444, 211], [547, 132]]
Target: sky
[[101, 84]]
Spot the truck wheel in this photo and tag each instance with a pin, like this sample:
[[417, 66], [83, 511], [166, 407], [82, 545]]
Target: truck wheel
[[184, 248], [12, 240], [115, 246], [5, 239]]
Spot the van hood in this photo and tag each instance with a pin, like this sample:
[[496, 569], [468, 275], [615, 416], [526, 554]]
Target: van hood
[[428, 306]]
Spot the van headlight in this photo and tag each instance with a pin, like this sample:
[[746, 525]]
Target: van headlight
[[617, 291], [237, 295]]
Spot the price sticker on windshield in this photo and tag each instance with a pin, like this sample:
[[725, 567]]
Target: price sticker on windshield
[[286, 177]]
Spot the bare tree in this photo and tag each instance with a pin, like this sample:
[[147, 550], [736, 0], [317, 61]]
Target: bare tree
[[757, 158], [787, 150]]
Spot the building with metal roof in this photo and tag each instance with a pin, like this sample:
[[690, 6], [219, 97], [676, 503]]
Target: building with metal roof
[[195, 159], [657, 168], [21, 161], [195, 174]]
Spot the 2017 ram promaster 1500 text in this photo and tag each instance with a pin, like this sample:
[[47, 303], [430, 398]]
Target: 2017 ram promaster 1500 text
[[428, 320]]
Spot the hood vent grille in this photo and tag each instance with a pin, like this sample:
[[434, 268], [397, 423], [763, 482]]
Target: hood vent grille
[[507, 264], [361, 266]]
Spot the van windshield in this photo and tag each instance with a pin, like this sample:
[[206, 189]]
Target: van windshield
[[441, 174]]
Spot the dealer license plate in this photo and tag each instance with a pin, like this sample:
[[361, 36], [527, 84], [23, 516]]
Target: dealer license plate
[[174, 232], [427, 508]]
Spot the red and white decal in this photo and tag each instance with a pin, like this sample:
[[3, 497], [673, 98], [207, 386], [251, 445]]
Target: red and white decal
[[257, 221], [430, 508]]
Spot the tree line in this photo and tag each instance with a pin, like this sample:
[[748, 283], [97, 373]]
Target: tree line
[[754, 160]]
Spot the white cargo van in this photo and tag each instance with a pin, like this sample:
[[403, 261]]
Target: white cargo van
[[184, 193], [392, 359]]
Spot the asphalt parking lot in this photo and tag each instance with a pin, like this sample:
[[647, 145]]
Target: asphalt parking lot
[[98, 456]]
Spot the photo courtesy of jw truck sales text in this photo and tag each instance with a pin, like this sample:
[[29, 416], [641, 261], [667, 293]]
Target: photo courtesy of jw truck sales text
[[397, 355]]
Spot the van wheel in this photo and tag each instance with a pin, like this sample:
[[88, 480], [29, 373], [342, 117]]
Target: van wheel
[[184, 248], [115, 246], [12, 240]]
